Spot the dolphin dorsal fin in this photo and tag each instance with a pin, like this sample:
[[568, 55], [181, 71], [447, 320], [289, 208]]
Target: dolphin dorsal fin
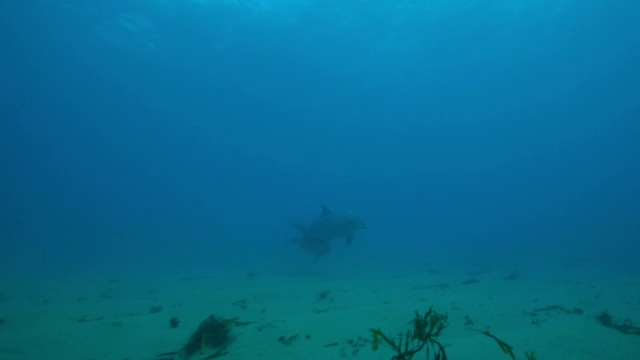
[[325, 210]]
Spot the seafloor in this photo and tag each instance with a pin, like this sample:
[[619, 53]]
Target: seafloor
[[281, 314]]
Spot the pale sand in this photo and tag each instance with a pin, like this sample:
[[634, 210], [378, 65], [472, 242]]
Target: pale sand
[[42, 318]]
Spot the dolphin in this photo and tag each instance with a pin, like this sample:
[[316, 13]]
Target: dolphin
[[316, 237]]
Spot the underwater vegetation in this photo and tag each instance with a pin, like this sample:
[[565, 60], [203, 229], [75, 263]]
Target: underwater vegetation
[[287, 340], [212, 334], [426, 329], [174, 322], [506, 348], [242, 304], [625, 326], [424, 336], [324, 295], [543, 314]]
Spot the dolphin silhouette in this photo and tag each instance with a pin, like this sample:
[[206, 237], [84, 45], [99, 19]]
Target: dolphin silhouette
[[330, 225]]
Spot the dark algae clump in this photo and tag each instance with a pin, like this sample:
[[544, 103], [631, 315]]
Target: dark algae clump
[[625, 326], [213, 335], [605, 319], [323, 296], [174, 322]]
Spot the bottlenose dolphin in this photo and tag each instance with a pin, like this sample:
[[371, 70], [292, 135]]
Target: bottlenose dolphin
[[316, 237]]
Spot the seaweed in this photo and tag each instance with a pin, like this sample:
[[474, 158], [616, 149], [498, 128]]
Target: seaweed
[[543, 314], [426, 329], [625, 326], [212, 333], [174, 322], [242, 304], [287, 340], [605, 319], [324, 295], [506, 348], [467, 321]]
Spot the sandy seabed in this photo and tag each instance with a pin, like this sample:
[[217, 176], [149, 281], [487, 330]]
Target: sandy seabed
[[83, 318]]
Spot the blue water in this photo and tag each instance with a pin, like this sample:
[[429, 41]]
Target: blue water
[[175, 135]]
